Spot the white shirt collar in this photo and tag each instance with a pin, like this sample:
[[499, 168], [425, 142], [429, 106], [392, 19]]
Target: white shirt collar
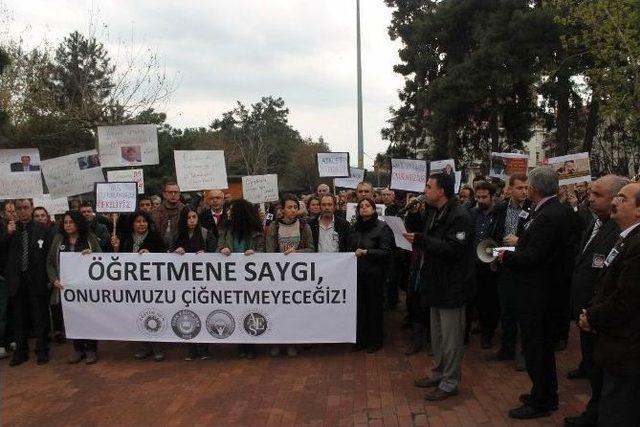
[[626, 232]]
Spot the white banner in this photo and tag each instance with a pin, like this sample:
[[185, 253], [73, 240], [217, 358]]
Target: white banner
[[260, 188], [73, 174], [200, 169], [20, 173], [572, 168], [53, 206], [116, 197], [408, 175], [333, 165], [257, 299], [357, 176], [128, 145], [127, 175]]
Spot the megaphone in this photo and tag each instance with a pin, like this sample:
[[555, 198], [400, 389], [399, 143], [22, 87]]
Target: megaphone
[[484, 250]]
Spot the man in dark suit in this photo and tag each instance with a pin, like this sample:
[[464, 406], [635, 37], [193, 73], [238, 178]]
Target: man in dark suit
[[213, 215], [330, 232], [27, 245], [614, 316], [24, 165], [597, 241], [543, 254]]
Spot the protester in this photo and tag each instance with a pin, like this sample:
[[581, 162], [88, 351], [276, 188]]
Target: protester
[[243, 234], [330, 232], [143, 239], [398, 261], [486, 300], [364, 190], [313, 208], [323, 190], [388, 198], [614, 317], [288, 235], [543, 256], [165, 217], [41, 216], [100, 231], [156, 200], [511, 216], [447, 281], [74, 236], [27, 244], [465, 194], [191, 237], [372, 242], [9, 212], [213, 215], [9, 216], [597, 241], [145, 204]]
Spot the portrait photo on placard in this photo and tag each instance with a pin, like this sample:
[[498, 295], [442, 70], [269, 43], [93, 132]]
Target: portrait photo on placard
[[25, 163], [89, 162], [131, 154]]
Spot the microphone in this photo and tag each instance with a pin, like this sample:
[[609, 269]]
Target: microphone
[[415, 201]]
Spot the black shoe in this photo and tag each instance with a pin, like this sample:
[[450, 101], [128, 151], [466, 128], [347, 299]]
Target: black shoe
[[486, 343], [440, 394], [426, 382], [526, 399], [579, 421], [527, 412], [18, 359], [576, 374], [42, 359], [500, 356], [561, 345]]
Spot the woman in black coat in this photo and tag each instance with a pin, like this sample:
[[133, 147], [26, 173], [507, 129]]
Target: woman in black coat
[[372, 242], [143, 239]]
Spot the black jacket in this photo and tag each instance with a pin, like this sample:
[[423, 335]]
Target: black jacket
[[501, 219], [378, 241], [341, 226], [589, 264], [36, 275], [615, 313], [448, 268], [152, 243], [543, 260]]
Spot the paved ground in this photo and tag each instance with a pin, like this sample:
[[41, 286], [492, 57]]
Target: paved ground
[[325, 386]]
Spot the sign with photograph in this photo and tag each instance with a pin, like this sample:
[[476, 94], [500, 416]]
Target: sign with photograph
[[73, 174], [572, 168], [333, 165], [503, 165], [20, 173], [127, 175], [408, 175], [128, 145], [200, 169]]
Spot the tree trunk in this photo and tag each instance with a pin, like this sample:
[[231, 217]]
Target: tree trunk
[[562, 114], [592, 124]]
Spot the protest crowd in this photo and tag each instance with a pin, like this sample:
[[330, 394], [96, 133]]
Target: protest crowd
[[519, 262]]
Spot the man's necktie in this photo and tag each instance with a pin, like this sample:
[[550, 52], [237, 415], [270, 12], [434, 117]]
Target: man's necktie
[[25, 249], [596, 228]]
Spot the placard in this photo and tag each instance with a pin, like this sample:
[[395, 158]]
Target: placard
[[572, 168], [408, 175], [351, 211], [200, 169], [210, 298], [260, 188], [503, 165], [128, 145], [73, 174], [116, 197], [357, 176], [53, 206], [447, 166], [127, 175], [333, 165], [397, 226], [20, 173]]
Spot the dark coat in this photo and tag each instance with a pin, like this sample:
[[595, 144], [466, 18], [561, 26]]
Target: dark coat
[[39, 243], [615, 311], [379, 243], [152, 243], [207, 242], [501, 218], [448, 270], [341, 226], [544, 257], [589, 263], [207, 220]]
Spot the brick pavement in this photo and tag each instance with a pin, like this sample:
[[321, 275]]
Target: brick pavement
[[327, 385]]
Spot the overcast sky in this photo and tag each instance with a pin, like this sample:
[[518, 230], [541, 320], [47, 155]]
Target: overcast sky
[[223, 51]]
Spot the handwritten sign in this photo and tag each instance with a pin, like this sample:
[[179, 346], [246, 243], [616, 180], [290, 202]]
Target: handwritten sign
[[53, 206], [333, 165], [127, 175], [128, 145], [118, 197], [260, 188], [200, 169], [73, 174], [357, 176], [408, 175], [20, 173]]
